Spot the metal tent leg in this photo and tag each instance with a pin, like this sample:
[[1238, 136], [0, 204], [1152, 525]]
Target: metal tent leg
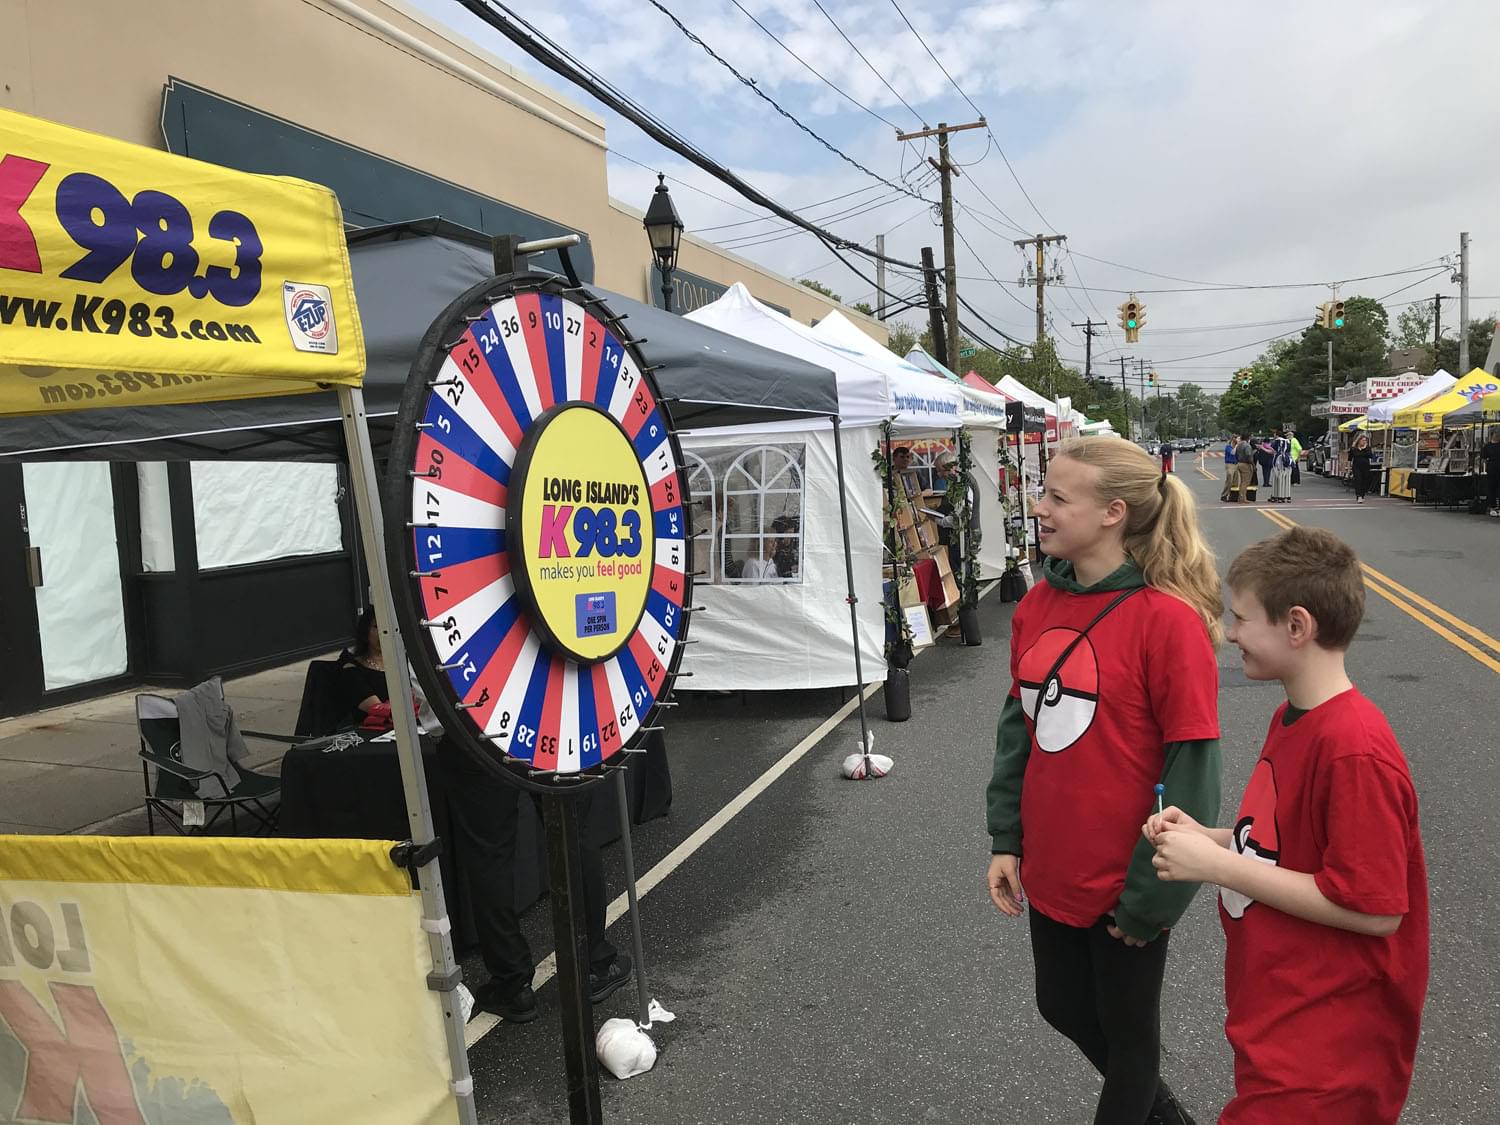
[[445, 973]]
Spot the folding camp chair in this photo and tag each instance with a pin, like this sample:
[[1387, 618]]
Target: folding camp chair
[[169, 784]]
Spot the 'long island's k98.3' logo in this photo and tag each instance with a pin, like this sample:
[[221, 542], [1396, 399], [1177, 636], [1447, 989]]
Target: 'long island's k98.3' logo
[[309, 317]]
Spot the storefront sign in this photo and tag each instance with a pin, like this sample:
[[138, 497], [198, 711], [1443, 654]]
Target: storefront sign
[[1324, 409], [582, 545], [692, 291], [115, 256]]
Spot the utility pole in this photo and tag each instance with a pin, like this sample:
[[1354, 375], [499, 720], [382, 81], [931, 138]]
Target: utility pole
[[1437, 320], [1125, 393], [934, 308], [947, 170], [880, 277], [1040, 280], [1088, 346], [1332, 421], [1140, 374], [1463, 304]]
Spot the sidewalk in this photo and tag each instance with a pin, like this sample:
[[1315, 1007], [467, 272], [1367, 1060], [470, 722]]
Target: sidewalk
[[75, 769]]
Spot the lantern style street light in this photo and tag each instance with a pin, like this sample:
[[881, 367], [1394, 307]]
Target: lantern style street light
[[664, 229]]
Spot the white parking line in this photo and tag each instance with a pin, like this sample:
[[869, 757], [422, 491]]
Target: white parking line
[[485, 1022]]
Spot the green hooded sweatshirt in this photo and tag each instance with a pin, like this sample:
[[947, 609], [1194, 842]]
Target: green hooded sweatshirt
[[1191, 773]]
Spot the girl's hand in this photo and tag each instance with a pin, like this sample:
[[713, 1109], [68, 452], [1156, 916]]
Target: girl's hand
[[1005, 884], [1120, 935], [1186, 856], [1154, 825]]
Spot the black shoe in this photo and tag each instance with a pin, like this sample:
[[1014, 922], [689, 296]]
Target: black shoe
[[604, 985], [1168, 1110], [518, 1006]]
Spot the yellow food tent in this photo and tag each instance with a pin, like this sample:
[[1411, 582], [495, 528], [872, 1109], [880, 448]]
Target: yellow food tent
[[1361, 423], [1429, 415]]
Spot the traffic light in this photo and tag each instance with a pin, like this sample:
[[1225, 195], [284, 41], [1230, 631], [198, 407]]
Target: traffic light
[[1325, 315], [1151, 378], [1244, 378], [1337, 316], [1132, 317]]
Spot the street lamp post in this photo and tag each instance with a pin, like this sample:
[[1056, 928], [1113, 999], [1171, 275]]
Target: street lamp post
[[664, 230]]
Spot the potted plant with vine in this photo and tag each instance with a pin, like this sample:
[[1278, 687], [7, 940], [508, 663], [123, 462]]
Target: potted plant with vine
[[898, 649], [968, 579]]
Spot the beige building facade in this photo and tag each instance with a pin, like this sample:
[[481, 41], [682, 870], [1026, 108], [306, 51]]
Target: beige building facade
[[377, 75]]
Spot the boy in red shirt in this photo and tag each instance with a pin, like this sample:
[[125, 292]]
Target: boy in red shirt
[[1323, 888]]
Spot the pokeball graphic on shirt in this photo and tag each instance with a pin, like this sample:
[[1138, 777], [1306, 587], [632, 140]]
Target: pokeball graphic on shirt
[[1060, 704], [1255, 832]]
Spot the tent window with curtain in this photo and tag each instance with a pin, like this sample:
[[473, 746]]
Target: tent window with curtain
[[705, 495], [762, 529]]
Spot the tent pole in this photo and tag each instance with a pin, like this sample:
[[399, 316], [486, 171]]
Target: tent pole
[[859, 675], [445, 974]]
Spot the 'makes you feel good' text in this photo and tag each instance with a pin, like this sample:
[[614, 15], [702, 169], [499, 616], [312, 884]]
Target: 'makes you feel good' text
[[607, 537]]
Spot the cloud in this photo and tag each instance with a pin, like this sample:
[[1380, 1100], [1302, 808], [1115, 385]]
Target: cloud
[[1252, 144]]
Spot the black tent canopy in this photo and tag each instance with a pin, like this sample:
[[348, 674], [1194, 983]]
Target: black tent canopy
[[404, 275]]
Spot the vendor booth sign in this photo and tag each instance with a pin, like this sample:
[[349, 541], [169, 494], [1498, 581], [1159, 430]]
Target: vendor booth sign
[[150, 981], [132, 269]]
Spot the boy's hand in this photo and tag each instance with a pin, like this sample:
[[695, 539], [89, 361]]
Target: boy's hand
[[1005, 884], [1170, 815], [1186, 856]]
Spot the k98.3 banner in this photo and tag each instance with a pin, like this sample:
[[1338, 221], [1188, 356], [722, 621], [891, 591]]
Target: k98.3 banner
[[157, 981], [131, 276]]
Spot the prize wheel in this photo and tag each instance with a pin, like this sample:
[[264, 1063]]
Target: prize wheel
[[536, 525]]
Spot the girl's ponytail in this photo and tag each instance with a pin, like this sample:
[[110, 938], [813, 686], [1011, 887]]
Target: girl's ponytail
[[1162, 534]]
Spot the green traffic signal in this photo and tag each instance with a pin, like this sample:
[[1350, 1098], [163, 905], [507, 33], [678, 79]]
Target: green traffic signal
[[1130, 323]]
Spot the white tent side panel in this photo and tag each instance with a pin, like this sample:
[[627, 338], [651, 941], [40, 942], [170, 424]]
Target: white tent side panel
[[982, 448], [797, 635], [250, 511]]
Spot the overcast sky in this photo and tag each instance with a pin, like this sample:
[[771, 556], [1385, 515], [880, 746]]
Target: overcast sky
[[1251, 144]]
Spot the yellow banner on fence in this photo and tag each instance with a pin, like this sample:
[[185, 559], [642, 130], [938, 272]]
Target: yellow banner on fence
[[150, 278], [219, 981]]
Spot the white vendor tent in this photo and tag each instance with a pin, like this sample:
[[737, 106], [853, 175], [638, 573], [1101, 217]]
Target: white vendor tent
[[981, 412], [1385, 410], [780, 631]]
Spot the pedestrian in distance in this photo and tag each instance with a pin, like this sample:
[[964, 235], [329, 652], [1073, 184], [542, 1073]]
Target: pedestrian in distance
[[1490, 453], [1114, 690], [1244, 456], [1167, 453], [1322, 881], [1359, 467], [1231, 490], [1281, 469], [1264, 459]]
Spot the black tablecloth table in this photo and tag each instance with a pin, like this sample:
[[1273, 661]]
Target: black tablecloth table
[[356, 793]]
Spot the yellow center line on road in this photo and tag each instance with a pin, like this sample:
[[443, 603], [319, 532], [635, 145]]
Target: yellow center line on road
[[1394, 597], [1202, 468]]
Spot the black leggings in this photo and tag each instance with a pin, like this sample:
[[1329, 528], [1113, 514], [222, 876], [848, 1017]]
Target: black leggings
[[1361, 479], [1105, 996]]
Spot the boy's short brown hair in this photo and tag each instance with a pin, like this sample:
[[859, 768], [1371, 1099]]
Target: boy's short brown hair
[[1310, 567]]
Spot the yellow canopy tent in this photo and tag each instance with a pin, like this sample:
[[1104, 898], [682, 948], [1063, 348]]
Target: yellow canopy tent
[[1361, 423], [1429, 415], [133, 277]]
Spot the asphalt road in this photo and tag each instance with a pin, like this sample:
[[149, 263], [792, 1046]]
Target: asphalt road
[[831, 953]]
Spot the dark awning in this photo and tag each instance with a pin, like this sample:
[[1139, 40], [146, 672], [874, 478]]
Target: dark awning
[[404, 275]]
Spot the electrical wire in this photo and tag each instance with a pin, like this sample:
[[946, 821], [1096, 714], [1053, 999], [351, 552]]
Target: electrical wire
[[772, 218], [813, 70], [538, 46], [751, 85], [864, 60]]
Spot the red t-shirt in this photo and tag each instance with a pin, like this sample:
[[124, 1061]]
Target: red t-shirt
[[1143, 677], [1323, 1021]]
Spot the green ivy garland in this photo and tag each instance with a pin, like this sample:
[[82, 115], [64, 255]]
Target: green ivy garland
[[901, 570], [957, 496]]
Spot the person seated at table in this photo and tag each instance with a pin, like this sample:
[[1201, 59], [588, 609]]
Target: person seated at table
[[766, 568], [360, 680]]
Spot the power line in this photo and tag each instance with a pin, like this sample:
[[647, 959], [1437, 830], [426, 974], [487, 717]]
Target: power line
[[866, 61], [1235, 288], [996, 140], [814, 71], [772, 218], [555, 58], [754, 88]]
